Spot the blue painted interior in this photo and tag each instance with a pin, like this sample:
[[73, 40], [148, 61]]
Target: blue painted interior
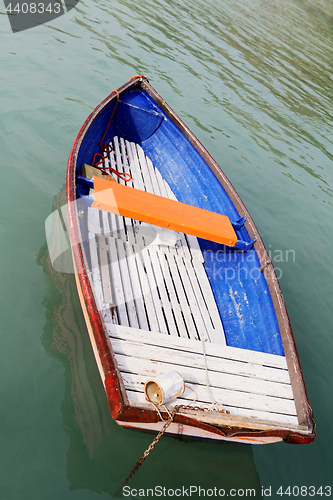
[[240, 289]]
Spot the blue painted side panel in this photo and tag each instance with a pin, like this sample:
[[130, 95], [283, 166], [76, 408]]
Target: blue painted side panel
[[240, 289], [243, 298], [136, 124]]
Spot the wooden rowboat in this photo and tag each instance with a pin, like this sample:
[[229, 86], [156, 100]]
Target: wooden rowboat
[[173, 277]]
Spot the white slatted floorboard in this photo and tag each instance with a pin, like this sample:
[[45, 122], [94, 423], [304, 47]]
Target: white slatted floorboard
[[164, 289], [156, 287], [248, 384]]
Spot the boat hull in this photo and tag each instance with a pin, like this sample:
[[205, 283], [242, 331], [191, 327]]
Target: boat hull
[[145, 418], [187, 431]]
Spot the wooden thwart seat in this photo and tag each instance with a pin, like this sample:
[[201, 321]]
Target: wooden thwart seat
[[153, 209]]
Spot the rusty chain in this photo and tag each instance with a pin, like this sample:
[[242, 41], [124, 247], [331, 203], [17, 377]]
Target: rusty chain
[[150, 447], [159, 435]]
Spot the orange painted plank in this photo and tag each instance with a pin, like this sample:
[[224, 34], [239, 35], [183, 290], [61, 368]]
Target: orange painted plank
[[146, 207]]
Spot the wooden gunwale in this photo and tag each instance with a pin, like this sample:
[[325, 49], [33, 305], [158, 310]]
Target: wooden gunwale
[[120, 410]]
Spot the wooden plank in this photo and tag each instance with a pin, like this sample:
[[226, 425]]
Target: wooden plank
[[117, 226], [136, 286], [172, 293], [95, 272], [138, 399], [114, 226], [190, 326], [199, 360], [161, 183], [189, 345], [201, 326], [106, 162], [131, 359], [118, 158], [206, 299], [162, 290], [105, 223], [130, 223], [160, 211], [93, 221], [96, 280], [104, 269], [195, 249], [148, 295], [144, 260], [183, 249], [126, 284], [134, 166], [152, 173], [118, 292], [226, 397], [126, 167], [113, 162], [123, 167], [143, 167]]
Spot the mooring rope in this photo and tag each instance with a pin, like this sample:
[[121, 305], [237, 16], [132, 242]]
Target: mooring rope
[[214, 404], [107, 148]]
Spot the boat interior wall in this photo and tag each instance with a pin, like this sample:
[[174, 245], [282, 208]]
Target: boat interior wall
[[134, 123], [136, 119]]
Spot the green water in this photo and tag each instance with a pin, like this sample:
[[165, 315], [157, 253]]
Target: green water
[[253, 80]]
